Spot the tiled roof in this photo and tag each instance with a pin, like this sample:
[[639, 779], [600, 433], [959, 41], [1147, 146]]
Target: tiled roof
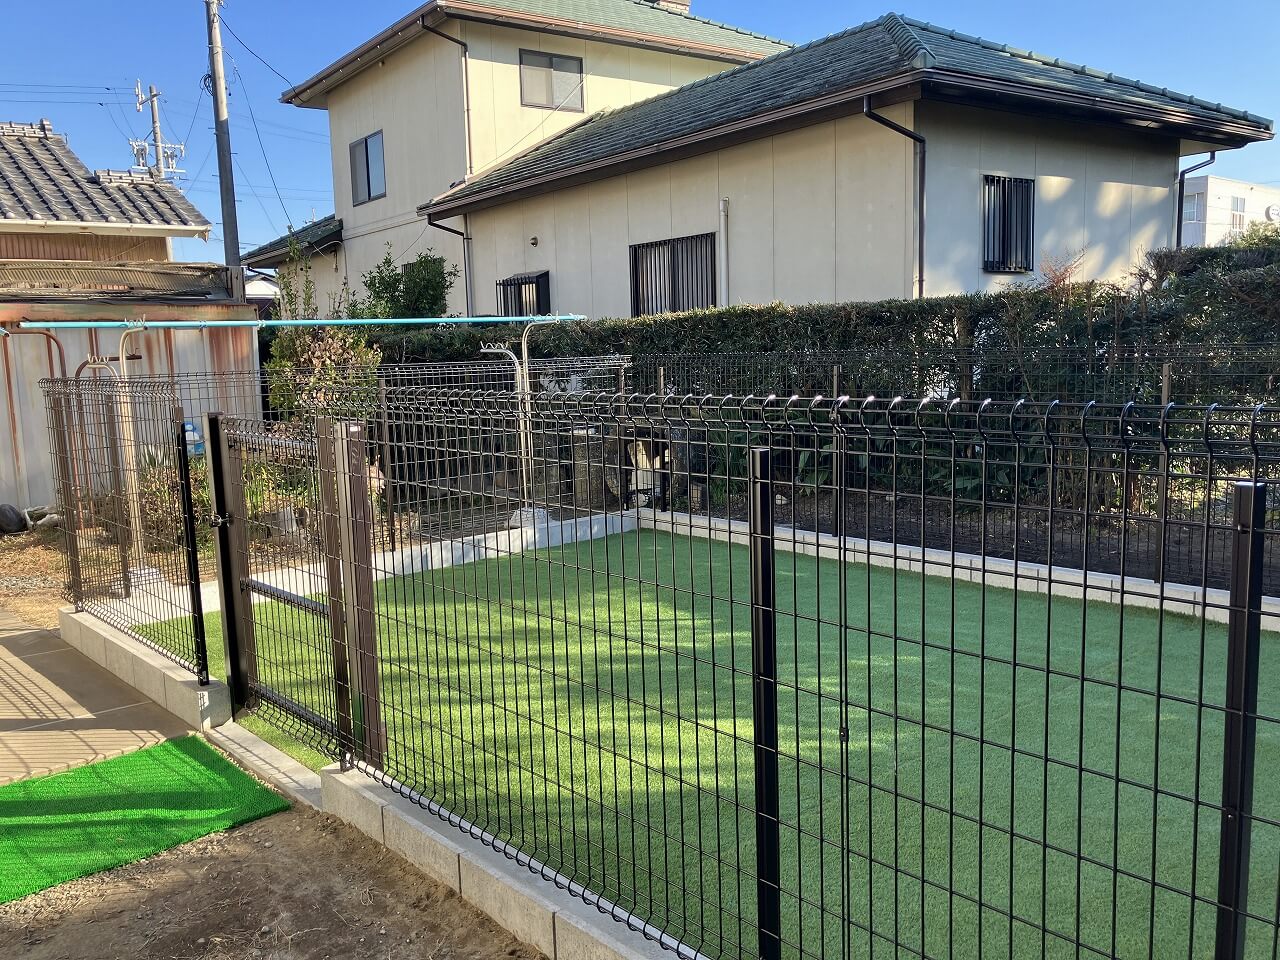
[[309, 238], [642, 16], [881, 50], [42, 181], [640, 22]]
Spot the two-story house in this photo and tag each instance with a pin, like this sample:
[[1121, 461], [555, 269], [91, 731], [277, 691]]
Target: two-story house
[[457, 87]]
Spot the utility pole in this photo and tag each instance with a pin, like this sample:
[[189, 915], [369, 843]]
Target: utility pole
[[222, 130], [166, 154]]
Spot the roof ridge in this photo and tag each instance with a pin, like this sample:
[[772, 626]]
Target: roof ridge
[[1081, 69], [913, 48], [689, 15]]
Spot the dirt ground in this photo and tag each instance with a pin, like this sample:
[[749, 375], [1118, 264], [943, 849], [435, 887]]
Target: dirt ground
[[296, 886], [31, 575]]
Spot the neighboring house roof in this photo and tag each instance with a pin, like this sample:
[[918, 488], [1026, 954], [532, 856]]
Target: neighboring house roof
[[634, 22], [33, 280], [313, 238], [892, 58], [43, 185]]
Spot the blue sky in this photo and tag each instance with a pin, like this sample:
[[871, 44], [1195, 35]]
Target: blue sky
[[103, 48]]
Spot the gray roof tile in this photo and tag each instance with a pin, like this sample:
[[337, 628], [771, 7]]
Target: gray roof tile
[[878, 50], [41, 180], [309, 237]]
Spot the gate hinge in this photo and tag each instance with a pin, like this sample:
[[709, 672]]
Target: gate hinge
[[217, 520]]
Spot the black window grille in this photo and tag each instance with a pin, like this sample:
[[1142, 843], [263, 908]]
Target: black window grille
[[1008, 218], [550, 81], [673, 275], [525, 295]]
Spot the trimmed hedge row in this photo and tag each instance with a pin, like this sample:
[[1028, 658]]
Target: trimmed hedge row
[[1193, 297]]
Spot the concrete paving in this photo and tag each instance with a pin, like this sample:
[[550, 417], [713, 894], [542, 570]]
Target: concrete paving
[[59, 709]]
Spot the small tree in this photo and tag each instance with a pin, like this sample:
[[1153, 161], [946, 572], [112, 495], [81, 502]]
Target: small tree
[[418, 289], [315, 371]]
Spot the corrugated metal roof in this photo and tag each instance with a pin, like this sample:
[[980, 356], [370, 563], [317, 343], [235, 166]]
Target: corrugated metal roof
[[43, 182], [875, 52], [76, 280]]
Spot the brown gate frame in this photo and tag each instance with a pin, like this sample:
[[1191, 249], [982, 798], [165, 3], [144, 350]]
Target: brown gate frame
[[346, 528]]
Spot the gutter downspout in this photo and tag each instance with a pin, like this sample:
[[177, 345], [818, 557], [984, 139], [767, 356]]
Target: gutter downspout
[[1182, 192], [465, 233], [466, 81], [921, 146], [723, 291]]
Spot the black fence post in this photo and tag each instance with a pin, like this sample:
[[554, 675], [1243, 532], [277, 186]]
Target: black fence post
[[226, 497], [1244, 632], [764, 695], [189, 544], [388, 468]]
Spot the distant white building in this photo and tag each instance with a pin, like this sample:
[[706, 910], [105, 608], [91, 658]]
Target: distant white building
[[1215, 209]]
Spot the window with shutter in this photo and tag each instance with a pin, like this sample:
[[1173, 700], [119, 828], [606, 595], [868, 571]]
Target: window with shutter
[[1008, 223]]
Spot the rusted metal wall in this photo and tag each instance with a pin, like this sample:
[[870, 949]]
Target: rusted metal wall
[[25, 469], [81, 246]]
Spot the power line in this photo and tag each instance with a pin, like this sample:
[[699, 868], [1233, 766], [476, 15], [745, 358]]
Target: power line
[[253, 53], [248, 100]]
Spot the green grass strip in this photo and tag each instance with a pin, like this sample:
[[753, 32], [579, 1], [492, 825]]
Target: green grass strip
[[72, 824]]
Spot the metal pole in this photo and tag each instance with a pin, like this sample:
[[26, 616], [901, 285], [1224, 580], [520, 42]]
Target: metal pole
[[764, 696], [388, 468], [226, 496], [355, 534], [327, 462], [63, 459], [662, 381], [1244, 633], [1162, 484], [189, 544], [222, 131]]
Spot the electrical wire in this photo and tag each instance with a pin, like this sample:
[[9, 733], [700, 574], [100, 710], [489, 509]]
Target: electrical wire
[[248, 99], [223, 20]]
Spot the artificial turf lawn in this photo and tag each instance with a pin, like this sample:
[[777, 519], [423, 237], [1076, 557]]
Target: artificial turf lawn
[[603, 721], [68, 825]]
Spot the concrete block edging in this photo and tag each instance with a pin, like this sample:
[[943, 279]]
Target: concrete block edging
[[560, 925], [151, 674]]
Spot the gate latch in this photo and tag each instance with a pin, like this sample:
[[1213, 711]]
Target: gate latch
[[217, 520]]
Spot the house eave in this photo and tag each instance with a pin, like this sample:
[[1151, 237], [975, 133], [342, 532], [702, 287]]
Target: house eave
[[928, 84], [311, 93], [843, 103], [105, 229]]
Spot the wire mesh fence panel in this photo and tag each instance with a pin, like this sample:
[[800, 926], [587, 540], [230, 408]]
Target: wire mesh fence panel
[[1238, 374], [130, 488], [660, 652]]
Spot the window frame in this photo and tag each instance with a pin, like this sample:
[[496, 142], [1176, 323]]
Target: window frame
[[1193, 203], [580, 90], [515, 285], [1001, 251], [699, 273], [1238, 215], [362, 145]]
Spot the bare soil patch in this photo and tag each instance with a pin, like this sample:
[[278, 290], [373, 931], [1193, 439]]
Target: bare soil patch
[[296, 886], [31, 576]]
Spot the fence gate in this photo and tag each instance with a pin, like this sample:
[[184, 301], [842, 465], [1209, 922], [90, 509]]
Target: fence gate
[[291, 504]]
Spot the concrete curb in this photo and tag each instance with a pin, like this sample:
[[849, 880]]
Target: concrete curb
[[533, 910], [297, 782], [156, 677]]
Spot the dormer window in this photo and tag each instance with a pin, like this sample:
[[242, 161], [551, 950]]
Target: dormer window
[[550, 81]]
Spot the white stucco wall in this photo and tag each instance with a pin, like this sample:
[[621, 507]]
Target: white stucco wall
[[1101, 192], [819, 214], [414, 96], [1216, 225]]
